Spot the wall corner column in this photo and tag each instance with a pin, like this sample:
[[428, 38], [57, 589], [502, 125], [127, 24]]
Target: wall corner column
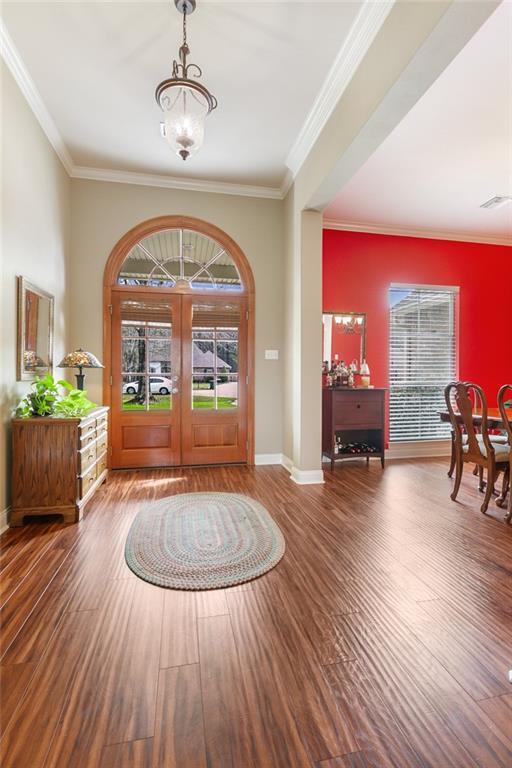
[[303, 412]]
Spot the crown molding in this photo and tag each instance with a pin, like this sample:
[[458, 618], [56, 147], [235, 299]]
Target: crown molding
[[286, 184], [28, 88], [433, 234], [26, 85], [173, 182], [361, 35]]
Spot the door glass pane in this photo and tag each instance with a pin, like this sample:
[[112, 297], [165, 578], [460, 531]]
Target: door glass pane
[[227, 351], [203, 368], [176, 257], [215, 356], [146, 337]]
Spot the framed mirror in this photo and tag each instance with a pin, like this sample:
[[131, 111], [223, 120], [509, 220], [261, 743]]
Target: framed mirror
[[35, 331], [344, 337]]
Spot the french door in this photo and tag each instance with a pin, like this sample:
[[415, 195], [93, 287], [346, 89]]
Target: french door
[[179, 374]]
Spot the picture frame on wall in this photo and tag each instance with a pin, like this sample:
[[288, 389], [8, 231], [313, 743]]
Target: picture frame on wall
[[35, 330]]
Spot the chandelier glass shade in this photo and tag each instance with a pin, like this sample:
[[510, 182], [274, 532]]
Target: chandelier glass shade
[[184, 101]]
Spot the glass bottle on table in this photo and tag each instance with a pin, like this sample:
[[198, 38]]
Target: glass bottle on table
[[365, 374]]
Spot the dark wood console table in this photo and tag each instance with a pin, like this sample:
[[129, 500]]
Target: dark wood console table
[[356, 415], [58, 464]]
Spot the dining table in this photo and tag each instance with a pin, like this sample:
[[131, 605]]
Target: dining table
[[494, 417]]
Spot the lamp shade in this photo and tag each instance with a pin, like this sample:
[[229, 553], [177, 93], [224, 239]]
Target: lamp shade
[[80, 358], [185, 110]]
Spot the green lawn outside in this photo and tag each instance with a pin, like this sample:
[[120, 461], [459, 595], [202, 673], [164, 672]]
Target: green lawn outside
[[163, 403], [207, 402]]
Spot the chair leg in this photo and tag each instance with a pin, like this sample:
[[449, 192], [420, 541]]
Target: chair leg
[[481, 481], [452, 457], [501, 500], [491, 474], [508, 516], [459, 466]]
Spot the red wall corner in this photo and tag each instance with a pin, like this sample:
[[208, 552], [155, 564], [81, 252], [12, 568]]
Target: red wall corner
[[358, 269]]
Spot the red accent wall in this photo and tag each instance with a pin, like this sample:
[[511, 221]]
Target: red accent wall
[[358, 269]]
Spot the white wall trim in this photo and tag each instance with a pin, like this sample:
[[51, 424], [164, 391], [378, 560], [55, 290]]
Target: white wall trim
[[173, 182], [381, 229], [4, 520], [419, 449], [360, 37], [28, 88], [307, 476], [299, 476], [26, 85], [268, 459], [287, 463]]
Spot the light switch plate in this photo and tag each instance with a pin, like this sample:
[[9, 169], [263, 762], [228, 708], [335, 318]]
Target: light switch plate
[[271, 354]]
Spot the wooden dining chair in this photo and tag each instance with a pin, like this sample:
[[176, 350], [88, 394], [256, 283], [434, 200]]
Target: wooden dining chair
[[472, 447], [477, 470], [502, 405]]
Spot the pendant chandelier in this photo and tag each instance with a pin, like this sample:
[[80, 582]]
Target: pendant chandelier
[[185, 101]]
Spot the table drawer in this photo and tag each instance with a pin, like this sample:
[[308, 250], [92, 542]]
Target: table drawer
[[358, 409], [86, 482], [86, 438], [86, 457], [101, 465], [101, 423], [101, 443]]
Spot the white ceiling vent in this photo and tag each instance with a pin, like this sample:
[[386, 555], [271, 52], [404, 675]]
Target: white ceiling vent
[[497, 202]]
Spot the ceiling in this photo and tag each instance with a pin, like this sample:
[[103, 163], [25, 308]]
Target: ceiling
[[451, 153], [96, 66]]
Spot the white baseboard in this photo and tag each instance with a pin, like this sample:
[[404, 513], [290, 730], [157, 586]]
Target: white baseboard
[[299, 476], [4, 517], [307, 476], [419, 449], [267, 459], [287, 463]]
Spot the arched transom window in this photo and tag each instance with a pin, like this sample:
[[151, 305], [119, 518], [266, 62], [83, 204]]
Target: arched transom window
[[180, 258]]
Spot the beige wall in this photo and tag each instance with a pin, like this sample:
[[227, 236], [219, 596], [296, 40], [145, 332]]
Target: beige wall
[[395, 72], [35, 235], [102, 212]]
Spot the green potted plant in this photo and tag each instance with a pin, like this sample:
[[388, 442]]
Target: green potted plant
[[45, 399]]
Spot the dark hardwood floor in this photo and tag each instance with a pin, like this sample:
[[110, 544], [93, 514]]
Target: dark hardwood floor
[[383, 638]]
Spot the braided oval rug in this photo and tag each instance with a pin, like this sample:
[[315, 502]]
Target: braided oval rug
[[203, 541]]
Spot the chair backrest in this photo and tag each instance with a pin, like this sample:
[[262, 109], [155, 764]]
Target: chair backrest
[[504, 416], [469, 399]]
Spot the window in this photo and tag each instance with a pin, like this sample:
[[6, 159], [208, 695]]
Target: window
[[174, 257], [422, 360], [215, 353], [146, 337]]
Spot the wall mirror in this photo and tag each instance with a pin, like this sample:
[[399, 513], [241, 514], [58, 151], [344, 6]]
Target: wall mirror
[[35, 331], [344, 336]]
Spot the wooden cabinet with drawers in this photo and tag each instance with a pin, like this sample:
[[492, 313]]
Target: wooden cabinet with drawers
[[355, 416], [57, 464]]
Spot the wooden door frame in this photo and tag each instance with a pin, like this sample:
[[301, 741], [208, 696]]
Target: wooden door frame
[[113, 266]]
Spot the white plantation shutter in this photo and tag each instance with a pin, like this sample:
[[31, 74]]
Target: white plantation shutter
[[422, 360]]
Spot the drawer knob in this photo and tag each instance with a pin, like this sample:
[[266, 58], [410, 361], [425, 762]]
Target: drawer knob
[[359, 405]]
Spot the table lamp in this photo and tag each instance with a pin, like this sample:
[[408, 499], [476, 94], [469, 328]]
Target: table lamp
[[80, 359]]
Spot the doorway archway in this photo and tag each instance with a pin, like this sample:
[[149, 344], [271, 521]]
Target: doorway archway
[[179, 346]]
